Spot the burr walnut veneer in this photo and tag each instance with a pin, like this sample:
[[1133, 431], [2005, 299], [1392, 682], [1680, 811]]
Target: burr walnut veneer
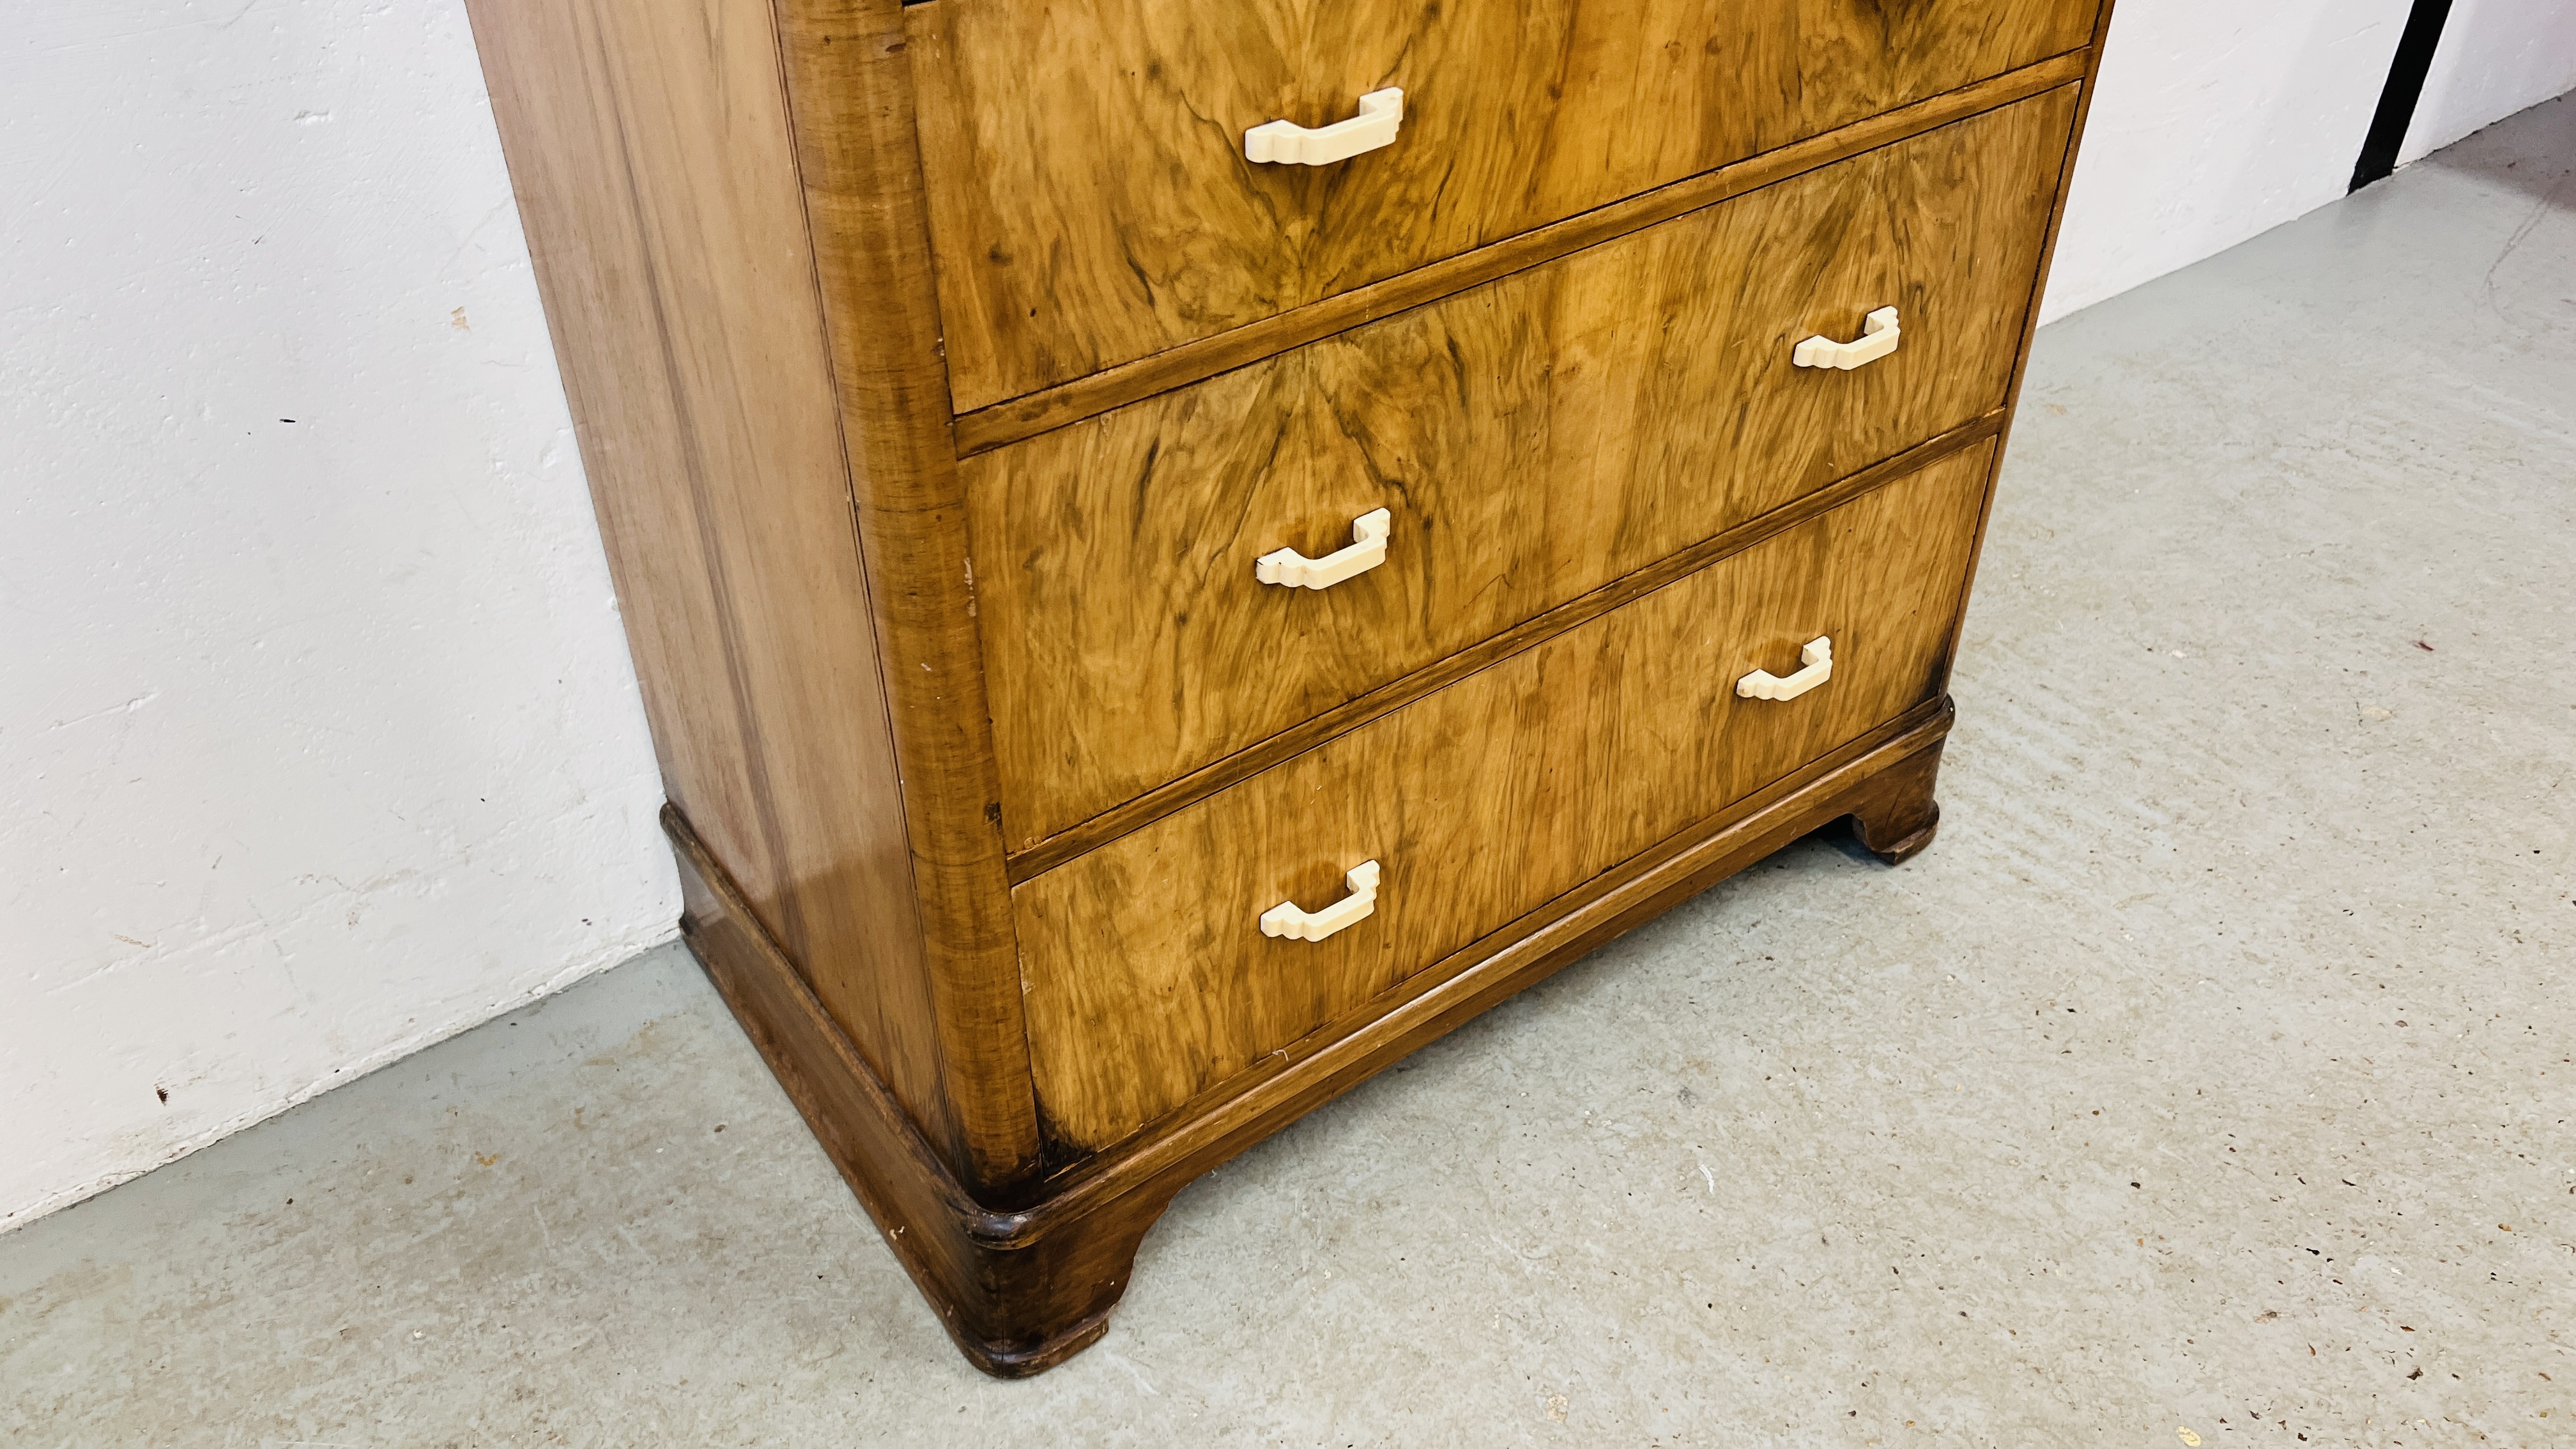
[[1140, 638]]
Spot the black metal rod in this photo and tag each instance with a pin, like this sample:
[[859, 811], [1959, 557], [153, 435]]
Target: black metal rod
[[2414, 61]]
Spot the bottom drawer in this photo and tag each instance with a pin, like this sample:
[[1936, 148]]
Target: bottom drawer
[[1148, 977]]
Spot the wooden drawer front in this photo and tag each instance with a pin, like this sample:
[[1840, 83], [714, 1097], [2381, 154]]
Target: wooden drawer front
[[1532, 440], [1147, 979], [1091, 204]]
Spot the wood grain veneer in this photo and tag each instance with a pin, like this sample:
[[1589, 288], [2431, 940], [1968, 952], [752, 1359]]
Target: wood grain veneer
[[731, 204], [650, 150], [1025, 417], [1147, 983], [1093, 206], [850, 101], [1533, 439], [1022, 1290], [1387, 698]]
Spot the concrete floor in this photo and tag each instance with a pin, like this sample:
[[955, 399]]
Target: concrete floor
[[2210, 1077]]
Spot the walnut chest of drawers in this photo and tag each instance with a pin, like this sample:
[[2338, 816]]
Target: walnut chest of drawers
[[1178, 549]]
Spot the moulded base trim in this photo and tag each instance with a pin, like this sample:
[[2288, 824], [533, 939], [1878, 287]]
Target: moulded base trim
[[1022, 1290]]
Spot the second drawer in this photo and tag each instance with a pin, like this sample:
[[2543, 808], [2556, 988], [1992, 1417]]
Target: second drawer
[[1147, 973], [1529, 440]]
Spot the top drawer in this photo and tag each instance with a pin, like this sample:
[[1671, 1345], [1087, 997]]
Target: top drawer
[[1091, 204]]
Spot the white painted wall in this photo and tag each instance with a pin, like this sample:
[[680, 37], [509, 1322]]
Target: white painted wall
[[320, 738], [321, 741], [2496, 57], [2216, 120]]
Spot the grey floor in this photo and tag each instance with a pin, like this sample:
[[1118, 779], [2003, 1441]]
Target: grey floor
[[2208, 1082]]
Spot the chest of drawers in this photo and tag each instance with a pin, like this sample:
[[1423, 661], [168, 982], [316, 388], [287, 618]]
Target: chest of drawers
[[1177, 551]]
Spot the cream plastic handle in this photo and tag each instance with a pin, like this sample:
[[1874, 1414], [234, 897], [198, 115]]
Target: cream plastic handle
[[1291, 569], [1286, 143], [1878, 337], [1818, 656], [1286, 920]]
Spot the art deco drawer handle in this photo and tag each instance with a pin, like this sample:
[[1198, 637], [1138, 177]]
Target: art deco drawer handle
[[1286, 920], [1286, 143], [1818, 656], [1291, 569], [1878, 337]]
